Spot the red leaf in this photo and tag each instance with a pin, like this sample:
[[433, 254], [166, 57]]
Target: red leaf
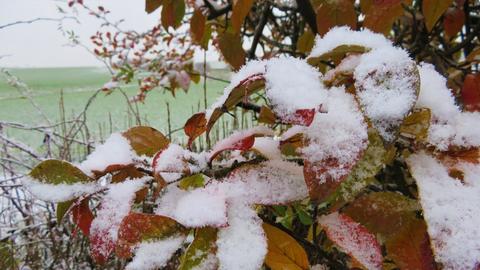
[[137, 227], [242, 140], [82, 216], [453, 21], [101, 247], [471, 92], [195, 126], [243, 144], [302, 117], [354, 239]]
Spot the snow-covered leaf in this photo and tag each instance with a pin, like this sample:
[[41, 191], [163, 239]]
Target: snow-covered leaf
[[336, 53], [450, 208], [354, 239], [240, 140], [58, 172], [155, 254], [242, 245], [115, 205], [416, 125], [200, 254], [139, 227]]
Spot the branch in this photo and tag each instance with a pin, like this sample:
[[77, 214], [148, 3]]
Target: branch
[[36, 20], [306, 10], [259, 30]]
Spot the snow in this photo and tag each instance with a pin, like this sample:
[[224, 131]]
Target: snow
[[268, 147], [386, 87], [196, 208], [242, 245], [175, 159], [451, 210], [338, 36], [434, 94], [292, 84], [449, 126], [348, 64], [209, 263], [115, 150], [155, 255], [339, 134], [251, 68], [115, 205], [230, 141], [270, 182], [59, 192], [353, 240]]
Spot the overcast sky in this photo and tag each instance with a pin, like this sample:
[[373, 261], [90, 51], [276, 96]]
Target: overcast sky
[[40, 44]]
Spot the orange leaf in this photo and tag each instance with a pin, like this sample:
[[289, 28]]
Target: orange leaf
[[284, 252], [353, 238], [152, 5], [409, 247], [453, 21], [137, 227], [197, 26], [172, 13], [239, 12], [146, 140], [230, 46], [82, 216], [433, 10], [335, 13], [195, 126], [471, 92], [381, 15]]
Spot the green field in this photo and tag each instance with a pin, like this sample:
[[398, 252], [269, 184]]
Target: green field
[[78, 85]]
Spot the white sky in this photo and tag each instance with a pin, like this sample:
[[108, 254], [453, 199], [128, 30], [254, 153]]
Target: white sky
[[40, 44]]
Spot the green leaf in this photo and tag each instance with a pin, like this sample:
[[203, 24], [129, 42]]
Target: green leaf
[[146, 140], [433, 10], [203, 246], [192, 182], [303, 215], [58, 172], [7, 261], [62, 208]]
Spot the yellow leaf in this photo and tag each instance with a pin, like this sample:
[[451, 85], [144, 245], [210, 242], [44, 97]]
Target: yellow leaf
[[284, 253], [305, 42]]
